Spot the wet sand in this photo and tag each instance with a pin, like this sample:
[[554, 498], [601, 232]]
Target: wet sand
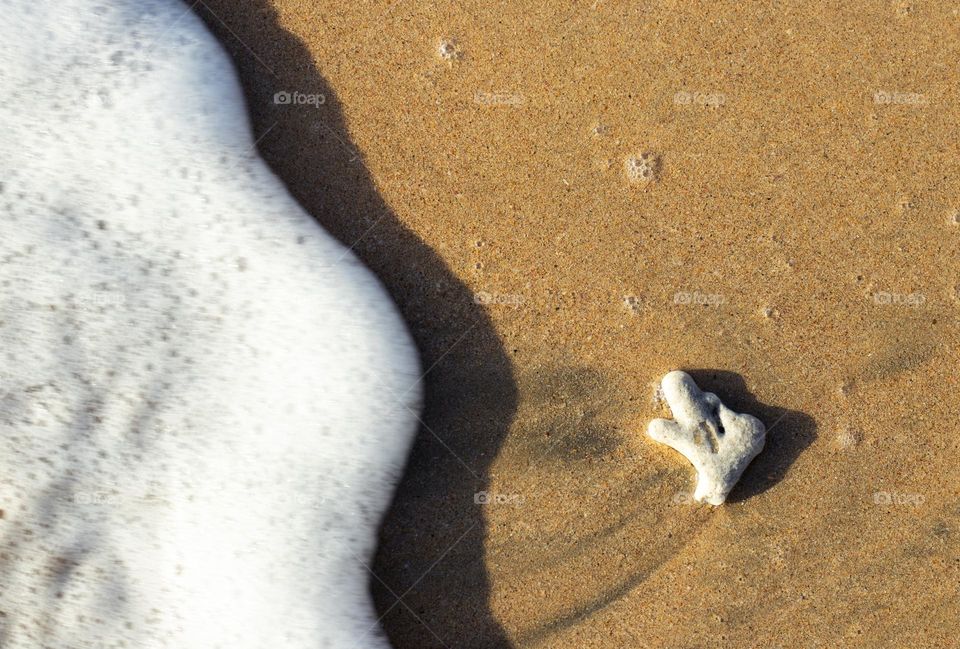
[[790, 238]]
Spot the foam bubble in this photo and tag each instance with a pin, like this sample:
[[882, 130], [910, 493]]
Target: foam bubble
[[848, 438], [449, 49], [633, 303], [642, 167]]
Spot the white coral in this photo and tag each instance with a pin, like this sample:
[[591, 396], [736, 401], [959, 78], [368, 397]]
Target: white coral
[[718, 442]]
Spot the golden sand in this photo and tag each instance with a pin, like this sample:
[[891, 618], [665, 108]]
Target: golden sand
[[567, 201]]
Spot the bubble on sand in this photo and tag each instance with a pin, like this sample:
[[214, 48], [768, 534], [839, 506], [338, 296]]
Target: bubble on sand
[[449, 49], [905, 204], [633, 303], [770, 313], [848, 438], [642, 167], [953, 216]]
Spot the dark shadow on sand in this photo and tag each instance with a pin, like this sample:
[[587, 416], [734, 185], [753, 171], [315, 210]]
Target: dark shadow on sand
[[789, 432], [431, 550]]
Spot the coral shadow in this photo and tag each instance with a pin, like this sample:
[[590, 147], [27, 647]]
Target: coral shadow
[[430, 583], [789, 432]]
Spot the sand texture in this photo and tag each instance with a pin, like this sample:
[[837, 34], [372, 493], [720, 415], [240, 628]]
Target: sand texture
[[569, 200]]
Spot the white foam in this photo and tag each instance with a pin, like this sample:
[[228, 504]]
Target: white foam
[[205, 400]]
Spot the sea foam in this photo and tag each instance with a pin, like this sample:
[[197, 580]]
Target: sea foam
[[205, 400]]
